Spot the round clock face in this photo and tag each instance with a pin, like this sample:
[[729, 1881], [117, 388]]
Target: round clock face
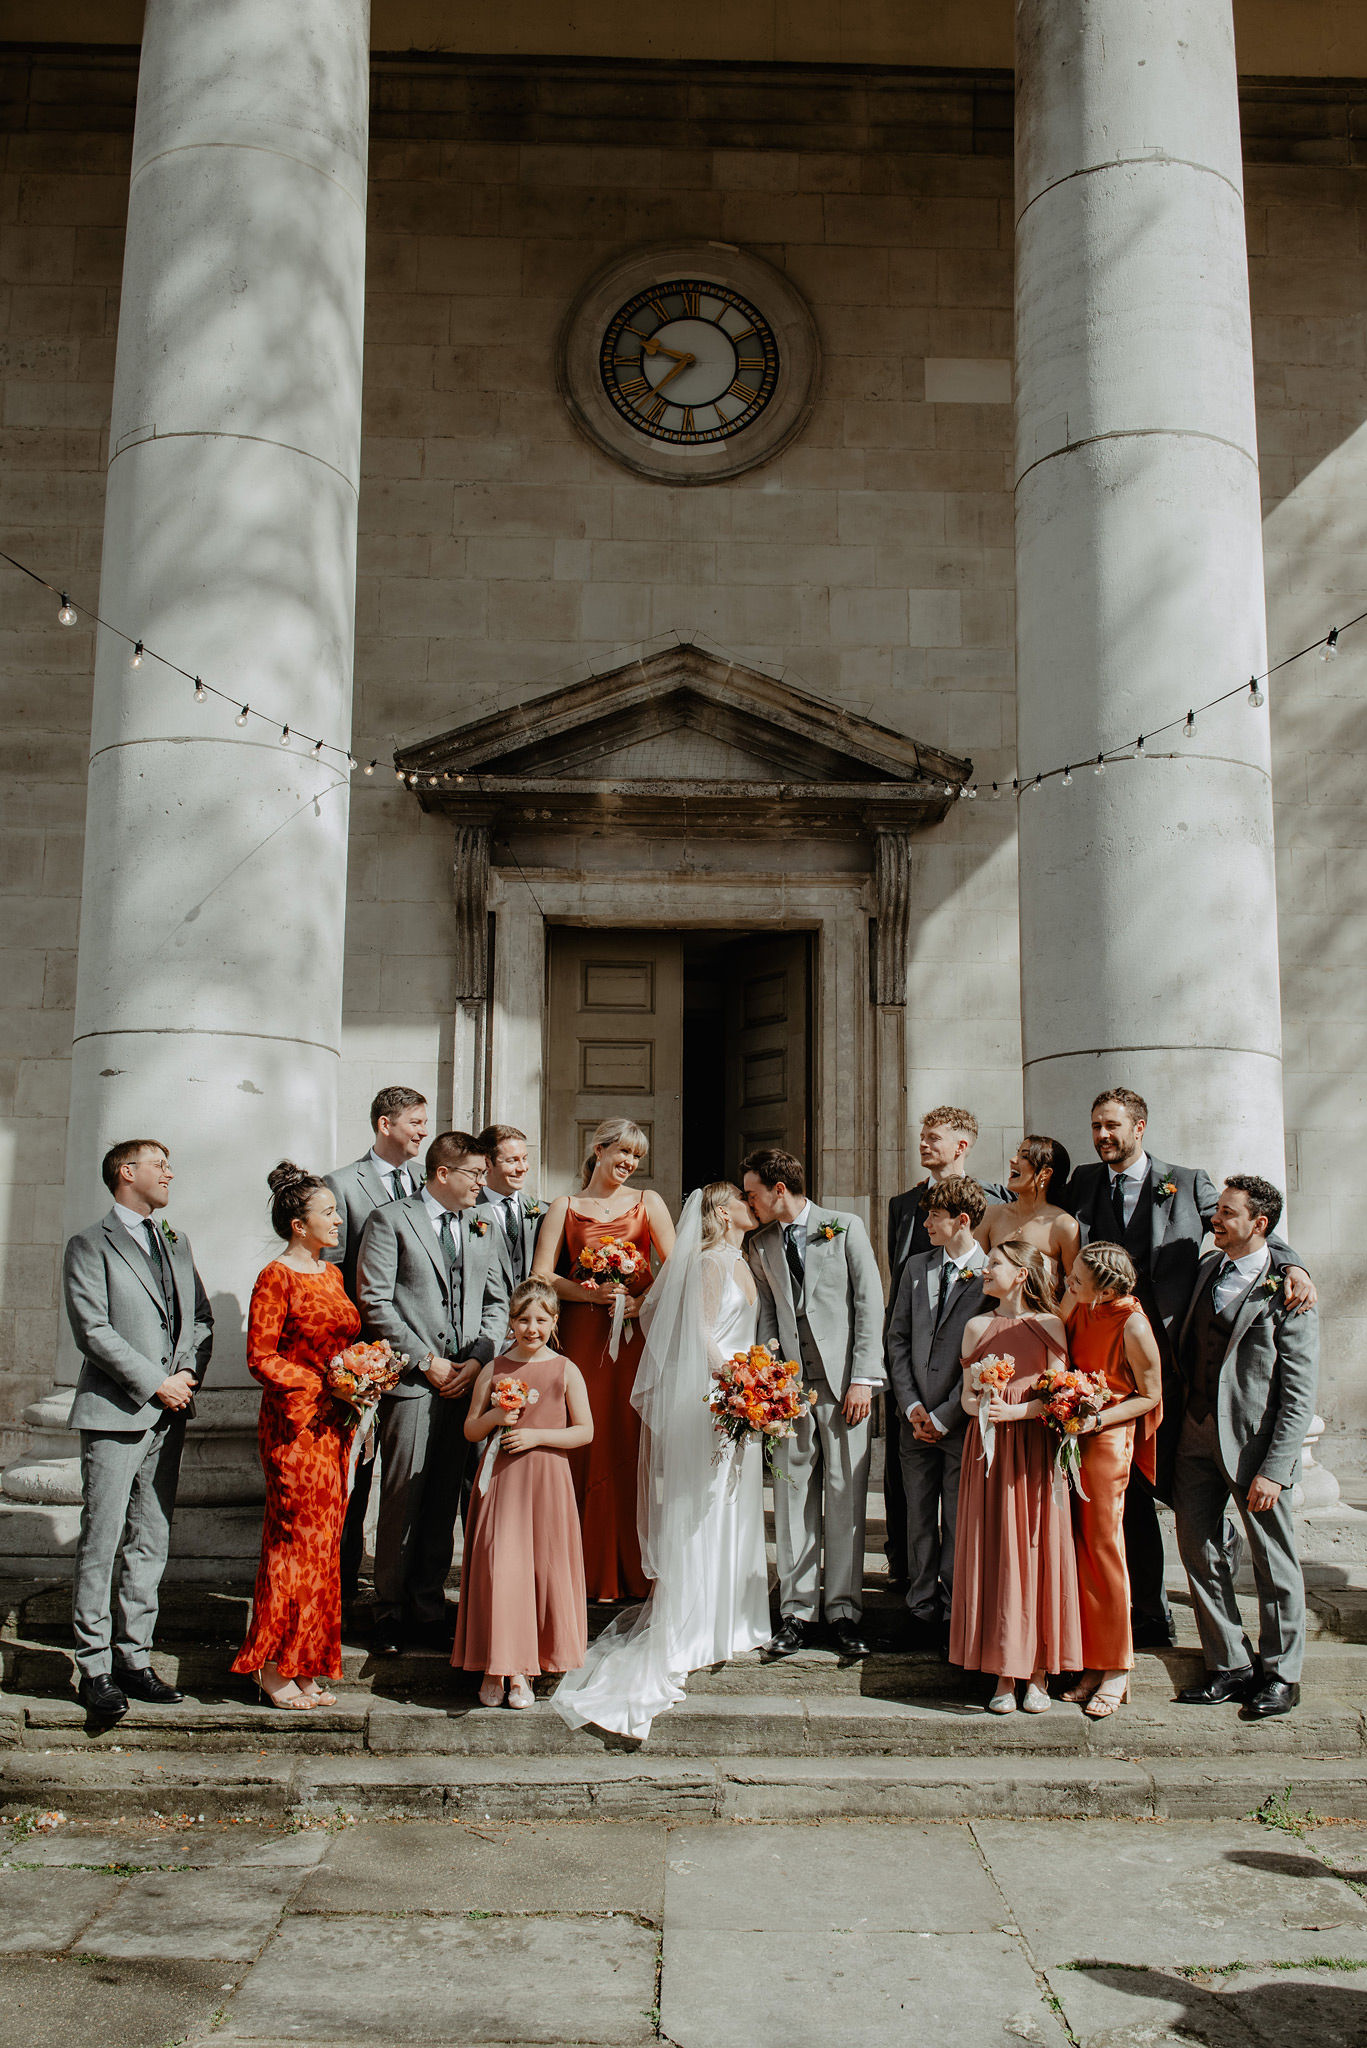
[[689, 361]]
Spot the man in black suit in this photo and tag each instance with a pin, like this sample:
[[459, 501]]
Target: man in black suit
[[947, 1137], [940, 1289], [1160, 1213]]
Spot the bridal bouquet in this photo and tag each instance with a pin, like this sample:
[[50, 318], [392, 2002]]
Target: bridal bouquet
[[512, 1396], [757, 1394], [358, 1376], [987, 1376], [1070, 1399], [613, 1262]]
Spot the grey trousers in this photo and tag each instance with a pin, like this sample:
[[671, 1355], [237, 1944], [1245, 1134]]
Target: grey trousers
[[930, 1481], [1202, 1489], [819, 1510], [128, 1496], [423, 1455]]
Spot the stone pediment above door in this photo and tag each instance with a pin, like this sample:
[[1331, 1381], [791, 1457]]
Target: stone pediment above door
[[683, 730]]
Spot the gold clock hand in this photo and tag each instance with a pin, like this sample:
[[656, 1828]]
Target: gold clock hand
[[682, 364]]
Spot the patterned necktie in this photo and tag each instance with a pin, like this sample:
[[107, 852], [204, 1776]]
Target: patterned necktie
[[400, 1185], [1118, 1187], [447, 1235], [950, 1277], [794, 1258], [152, 1247], [512, 1226]]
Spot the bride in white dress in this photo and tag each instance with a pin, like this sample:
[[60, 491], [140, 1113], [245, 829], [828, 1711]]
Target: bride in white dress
[[700, 1514]]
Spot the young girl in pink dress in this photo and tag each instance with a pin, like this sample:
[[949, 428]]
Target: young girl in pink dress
[[522, 1602]]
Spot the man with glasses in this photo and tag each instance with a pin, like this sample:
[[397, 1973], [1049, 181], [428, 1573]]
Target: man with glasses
[[429, 1279]]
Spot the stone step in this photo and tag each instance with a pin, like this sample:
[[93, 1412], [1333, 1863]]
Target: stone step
[[278, 1787]]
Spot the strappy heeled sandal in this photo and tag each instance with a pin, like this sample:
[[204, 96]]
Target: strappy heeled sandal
[[1079, 1694], [1105, 1700], [294, 1703]]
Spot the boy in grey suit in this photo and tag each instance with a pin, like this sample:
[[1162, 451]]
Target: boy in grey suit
[[940, 1289], [143, 1327], [821, 1296], [431, 1281], [1247, 1364]]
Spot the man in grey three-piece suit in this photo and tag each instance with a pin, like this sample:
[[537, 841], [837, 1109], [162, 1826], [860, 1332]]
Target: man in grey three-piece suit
[[143, 1327], [1247, 1365], [386, 1173], [820, 1294], [430, 1281], [939, 1292], [516, 1211]]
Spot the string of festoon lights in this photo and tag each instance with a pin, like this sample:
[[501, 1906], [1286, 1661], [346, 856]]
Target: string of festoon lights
[[69, 613]]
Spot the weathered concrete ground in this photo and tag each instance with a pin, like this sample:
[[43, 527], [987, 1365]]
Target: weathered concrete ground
[[1107, 1933]]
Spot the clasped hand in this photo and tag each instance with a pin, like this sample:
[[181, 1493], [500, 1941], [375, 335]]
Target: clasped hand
[[999, 1410], [450, 1379], [177, 1392]]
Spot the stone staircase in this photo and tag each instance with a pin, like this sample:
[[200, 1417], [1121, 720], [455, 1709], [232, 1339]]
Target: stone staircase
[[897, 1735]]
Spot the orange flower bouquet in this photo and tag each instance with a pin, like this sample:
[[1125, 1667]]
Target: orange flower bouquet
[[1071, 1399], [757, 1394], [988, 1376], [358, 1376], [613, 1263], [512, 1396]]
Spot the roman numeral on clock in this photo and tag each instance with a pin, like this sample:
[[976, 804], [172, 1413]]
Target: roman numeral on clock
[[738, 390], [634, 387]]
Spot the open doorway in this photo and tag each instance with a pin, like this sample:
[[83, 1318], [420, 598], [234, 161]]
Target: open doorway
[[703, 1038]]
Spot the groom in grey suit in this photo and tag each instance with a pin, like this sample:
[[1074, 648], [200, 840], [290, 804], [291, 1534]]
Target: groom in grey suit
[[821, 1296], [143, 1327], [431, 1281]]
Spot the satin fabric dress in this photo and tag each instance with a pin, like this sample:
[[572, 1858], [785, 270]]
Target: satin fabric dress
[[605, 1470], [1015, 1605], [296, 1325], [1096, 1344], [522, 1606]]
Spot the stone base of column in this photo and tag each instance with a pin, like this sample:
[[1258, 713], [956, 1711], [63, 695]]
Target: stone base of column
[[216, 1532]]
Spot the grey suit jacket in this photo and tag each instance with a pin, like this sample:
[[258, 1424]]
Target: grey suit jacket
[[923, 1360], [359, 1189], [402, 1281], [531, 1225], [1266, 1394], [118, 1318], [842, 1298]]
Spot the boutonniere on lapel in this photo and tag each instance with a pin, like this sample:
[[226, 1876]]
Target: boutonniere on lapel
[[531, 1210], [830, 1230], [479, 1225], [168, 1233], [1164, 1190], [1270, 1286]]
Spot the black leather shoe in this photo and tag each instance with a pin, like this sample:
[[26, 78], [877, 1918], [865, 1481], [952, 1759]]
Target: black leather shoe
[[848, 1640], [787, 1637], [1274, 1696], [388, 1638], [102, 1699], [1152, 1635], [141, 1683], [1219, 1687]]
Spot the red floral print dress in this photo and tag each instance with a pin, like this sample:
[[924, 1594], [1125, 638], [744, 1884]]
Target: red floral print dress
[[296, 1325]]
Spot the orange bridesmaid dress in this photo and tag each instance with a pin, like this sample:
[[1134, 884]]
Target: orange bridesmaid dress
[[1096, 1345], [296, 1325], [605, 1470]]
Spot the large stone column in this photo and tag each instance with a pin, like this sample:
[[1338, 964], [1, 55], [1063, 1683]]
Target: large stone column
[[208, 1008], [1148, 914]]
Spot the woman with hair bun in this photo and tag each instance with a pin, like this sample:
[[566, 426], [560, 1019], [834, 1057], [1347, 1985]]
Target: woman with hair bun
[[605, 1471], [300, 1318]]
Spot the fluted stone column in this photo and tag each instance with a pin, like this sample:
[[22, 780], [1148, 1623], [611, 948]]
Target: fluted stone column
[[208, 1007], [1148, 913]]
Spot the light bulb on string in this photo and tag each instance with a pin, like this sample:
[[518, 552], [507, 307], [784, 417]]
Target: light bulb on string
[[316, 751], [135, 658], [1100, 768], [1255, 695], [67, 615], [460, 778], [970, 790], [1037, 785], [352, 763], [370, 767], [1189, 729], [399, 775], [996, 793], [243, 715], [284, 735], [1139, 748], [1068, 777], [1015, 785], [1329, 651], [200, 692]]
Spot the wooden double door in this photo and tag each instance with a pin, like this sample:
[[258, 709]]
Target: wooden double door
[[703, 1039]]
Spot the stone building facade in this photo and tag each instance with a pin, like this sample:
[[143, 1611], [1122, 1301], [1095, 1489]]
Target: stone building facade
[[503, 558]]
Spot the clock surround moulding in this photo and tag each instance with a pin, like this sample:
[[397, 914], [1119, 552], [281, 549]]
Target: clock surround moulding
[[770, 426]]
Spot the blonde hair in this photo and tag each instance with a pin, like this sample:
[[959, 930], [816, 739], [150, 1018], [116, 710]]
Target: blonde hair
[[717, 1198], [1111, 1268], [535, 1289], [612, 1131], [1029, 1260]]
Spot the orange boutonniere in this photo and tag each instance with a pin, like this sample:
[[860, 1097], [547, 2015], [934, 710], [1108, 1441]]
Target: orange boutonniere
[[830, 1230], [480, 1225], [168, 1233], [1165, 1190]]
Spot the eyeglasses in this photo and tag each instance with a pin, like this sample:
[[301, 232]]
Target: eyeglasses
[[474, 1173]]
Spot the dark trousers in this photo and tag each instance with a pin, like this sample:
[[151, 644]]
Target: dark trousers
[[353, 1529], [894, 1491], [1144, 1555]]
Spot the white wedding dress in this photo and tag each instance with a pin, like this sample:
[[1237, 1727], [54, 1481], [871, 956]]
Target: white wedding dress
[[701, 1515]]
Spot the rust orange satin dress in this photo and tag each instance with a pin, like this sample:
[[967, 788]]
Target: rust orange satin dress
[[605, 1470], [296, 1324], [1096, 1345]]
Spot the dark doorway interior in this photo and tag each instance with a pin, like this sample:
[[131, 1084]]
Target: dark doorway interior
[[747, 1039]]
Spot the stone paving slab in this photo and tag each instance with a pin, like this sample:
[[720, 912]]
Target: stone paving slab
[[851, 1878], [1175, 1892], [521, 1867], [851, 1991], [41, 1911], [71, 2003], [101, 1784], [1235, 1788], [1137, 2008], [932, 1788], [82, 1844], [1300, 2008], [451, 1980], [195, 1914]]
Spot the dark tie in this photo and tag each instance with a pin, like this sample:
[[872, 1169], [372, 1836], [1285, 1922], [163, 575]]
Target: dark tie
[[949, 1274], [1118, 1196], [400, 1185], [447, 1235], [152, 1247], [794, 1258], [512, 1225]]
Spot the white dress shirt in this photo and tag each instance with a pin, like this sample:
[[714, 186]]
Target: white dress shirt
[[1236, 1276], [135, 1225], [1131, 1180], [400, 1180], [510, 1211], [435, 1212]]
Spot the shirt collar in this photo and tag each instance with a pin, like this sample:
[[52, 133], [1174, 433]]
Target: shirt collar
[[801, 1221], [972, 1262], [1251, 1264], [130, 1219], [435, 1209], [385, 1169], [1135, 1172]]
